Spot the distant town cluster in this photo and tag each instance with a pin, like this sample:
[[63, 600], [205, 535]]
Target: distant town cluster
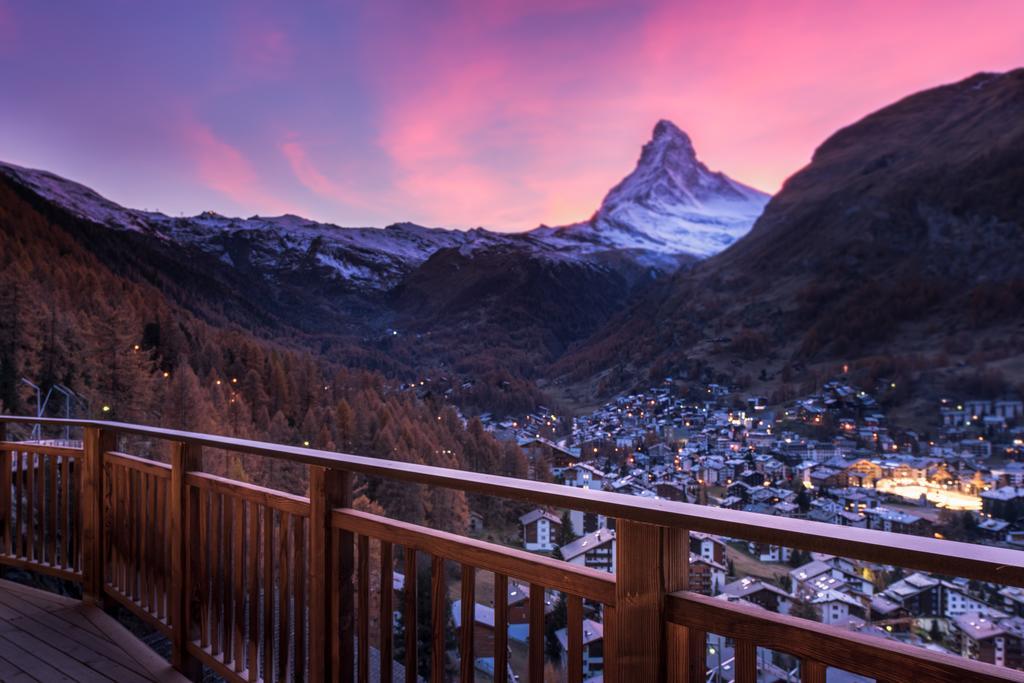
[[831, 457]]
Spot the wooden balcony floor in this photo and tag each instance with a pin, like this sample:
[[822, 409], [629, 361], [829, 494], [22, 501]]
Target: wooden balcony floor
[[46, 637]]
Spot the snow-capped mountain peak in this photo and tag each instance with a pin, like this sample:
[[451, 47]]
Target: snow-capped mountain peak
[[671, 204]]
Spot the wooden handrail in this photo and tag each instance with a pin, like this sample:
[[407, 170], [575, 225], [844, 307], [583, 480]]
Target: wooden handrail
[[827, 645], [951, 558], [215, 523], [555, 574]]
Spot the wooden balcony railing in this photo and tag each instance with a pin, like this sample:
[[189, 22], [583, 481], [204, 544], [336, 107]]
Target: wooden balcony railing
[[258, 584]]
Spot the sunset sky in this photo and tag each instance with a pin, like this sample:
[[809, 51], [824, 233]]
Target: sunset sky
[[466, 113]]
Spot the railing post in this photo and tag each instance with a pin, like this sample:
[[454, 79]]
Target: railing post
[[331, 559], [651, 561], [184, 558], [5, 496], [96, 442]]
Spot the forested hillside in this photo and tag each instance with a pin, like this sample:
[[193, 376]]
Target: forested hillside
[[136, 355]]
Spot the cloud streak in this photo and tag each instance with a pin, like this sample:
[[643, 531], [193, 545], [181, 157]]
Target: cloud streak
[[505, 114]]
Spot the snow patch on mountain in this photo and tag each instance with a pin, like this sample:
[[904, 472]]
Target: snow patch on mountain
[[365, 256], [670, 209], [670, 204]]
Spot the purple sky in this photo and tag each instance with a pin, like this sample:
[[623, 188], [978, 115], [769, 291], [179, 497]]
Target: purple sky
[[503, 114]]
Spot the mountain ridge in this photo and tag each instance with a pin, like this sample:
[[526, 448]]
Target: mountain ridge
[[899, 238]]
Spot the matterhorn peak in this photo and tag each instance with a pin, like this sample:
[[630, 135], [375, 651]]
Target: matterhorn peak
[[672, 203], [666, 131]]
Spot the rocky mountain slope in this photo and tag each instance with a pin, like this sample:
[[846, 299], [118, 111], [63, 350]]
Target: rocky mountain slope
[[475, 297], [671, 204], [901, 239]]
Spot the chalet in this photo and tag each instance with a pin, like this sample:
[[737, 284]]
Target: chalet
[[1013, 600], [760, 593], [885, 519], [595, 550], [826, 477], [993, 529], [863, 473], [706, 576], [1006, 408], [836, 607], [769, 552], [1006, 503], [660, 453], [884, 609], [976, 448], [671, 490], [586, 476], [956, 601], [558, 457], [997, 642], [540, 530], [483, 628], [919, 594], [593, 648]]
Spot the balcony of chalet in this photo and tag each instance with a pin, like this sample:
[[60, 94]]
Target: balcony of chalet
[[246, 583]]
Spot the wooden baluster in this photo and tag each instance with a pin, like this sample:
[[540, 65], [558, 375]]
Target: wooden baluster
[[299, 581], [30, 518], [145, 520], [124, 527], [283, 593], [165, 540], [121, 575], [202, 578], [610, 644], [387, 567], [500, 628], [651, 561], [65, 509], [238, 583], [745, 661], [268, 594], [688, 647], [812, 671], [96, 443], [5, 494], [109, 520], [19, 514], [153, 547], [186, 523], [216, 573], [51, 510], [409, 616], [135, 501], [330, 578], [227, 567], [466, 660], [363, 608], [536, 638], [437, 618], [574, 626], [252, 576]]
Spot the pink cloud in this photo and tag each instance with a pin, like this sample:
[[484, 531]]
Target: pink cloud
[[224, 169], [499, 117], [7, 28], [313, 179]]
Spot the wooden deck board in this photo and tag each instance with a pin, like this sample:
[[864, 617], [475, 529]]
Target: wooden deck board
[[48, 637]]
